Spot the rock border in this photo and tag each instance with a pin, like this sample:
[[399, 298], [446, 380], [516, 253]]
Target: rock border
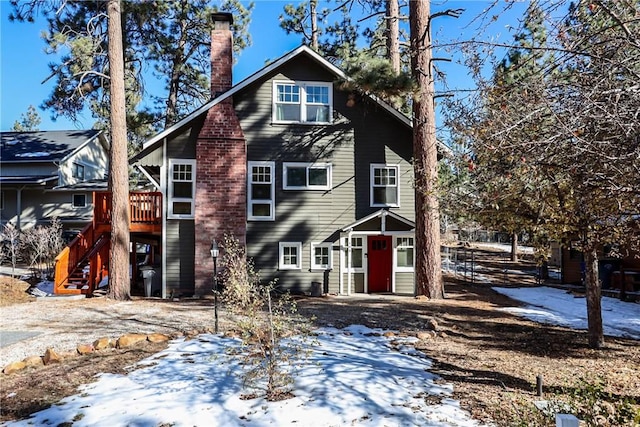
[[130, 340]]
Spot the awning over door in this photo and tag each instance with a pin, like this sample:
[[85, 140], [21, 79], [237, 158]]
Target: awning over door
[[381, 221]]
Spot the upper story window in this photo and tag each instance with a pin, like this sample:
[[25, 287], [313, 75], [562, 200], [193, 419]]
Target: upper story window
[[302, 102], [261, 191], [306, 176], [384, 185], [77, 171], [182, 188]]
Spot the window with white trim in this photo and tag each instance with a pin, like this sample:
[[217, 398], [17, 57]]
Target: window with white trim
[[302, 102], [306, 176], [404, 253], [77, 171], [79, 200], [290, 256], [321, 256], [261, 191], [357, 250], [182, 188], [384, 185]]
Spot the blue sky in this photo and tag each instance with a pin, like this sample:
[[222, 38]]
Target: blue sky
[[23, 63]]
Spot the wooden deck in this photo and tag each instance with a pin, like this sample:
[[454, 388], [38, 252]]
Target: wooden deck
[[85, 261]]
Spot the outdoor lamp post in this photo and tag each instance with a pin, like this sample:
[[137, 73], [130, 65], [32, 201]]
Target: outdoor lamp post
[[214, 254]]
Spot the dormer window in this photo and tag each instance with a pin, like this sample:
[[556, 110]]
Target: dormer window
[[302, 102], [77, 171]]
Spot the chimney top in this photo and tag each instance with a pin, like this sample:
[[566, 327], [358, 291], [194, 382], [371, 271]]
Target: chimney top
[[220, 17]]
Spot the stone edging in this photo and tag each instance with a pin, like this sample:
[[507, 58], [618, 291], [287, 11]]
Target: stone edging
[[101, 344]]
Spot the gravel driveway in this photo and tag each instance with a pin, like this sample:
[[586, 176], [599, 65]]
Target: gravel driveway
[[61, 323]]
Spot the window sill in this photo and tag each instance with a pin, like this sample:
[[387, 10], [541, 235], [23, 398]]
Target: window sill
[[181, 217], [306, 189], [273, 122]]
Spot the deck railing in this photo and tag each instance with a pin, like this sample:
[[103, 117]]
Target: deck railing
[[145, 211], [144, 207]]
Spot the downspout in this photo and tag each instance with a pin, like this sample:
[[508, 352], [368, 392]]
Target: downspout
[[349, 269], [342, 262], [19, 208], [163, 190]]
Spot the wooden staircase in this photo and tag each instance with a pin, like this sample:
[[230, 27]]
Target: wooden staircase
[[84, 263]]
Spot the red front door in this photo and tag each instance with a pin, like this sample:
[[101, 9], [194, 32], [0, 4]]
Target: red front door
[[379, 261]]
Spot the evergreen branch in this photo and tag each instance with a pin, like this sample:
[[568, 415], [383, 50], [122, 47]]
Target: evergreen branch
[[615, 17]]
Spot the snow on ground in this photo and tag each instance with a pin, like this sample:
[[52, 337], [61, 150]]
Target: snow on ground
[[504, 247], [352, 377], [559, 307]]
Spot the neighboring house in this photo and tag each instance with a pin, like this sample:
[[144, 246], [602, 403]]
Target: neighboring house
[[614, 272], [51, 174], [317, 180]]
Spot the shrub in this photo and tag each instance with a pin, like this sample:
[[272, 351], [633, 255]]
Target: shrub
[[40, 246], [588, 400], [265, 320]]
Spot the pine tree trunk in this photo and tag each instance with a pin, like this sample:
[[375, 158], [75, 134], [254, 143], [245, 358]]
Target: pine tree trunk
[[594, 306], [171, 112], [393, 34], [428, 273], [313, 5], [119, 282], [514, 247]]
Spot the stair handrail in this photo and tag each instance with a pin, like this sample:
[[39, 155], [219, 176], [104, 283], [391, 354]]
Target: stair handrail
[[72, 255]]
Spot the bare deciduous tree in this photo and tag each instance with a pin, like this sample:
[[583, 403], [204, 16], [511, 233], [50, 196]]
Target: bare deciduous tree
[[554, 133], [264, 320]]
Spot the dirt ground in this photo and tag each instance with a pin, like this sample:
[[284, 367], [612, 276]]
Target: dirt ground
[[492, 358]]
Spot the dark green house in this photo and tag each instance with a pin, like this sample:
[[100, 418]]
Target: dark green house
[[314, 179]]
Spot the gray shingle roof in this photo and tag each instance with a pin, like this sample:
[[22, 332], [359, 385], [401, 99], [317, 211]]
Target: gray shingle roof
[[42, 146]]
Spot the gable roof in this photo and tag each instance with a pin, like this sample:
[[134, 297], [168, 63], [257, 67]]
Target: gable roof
[[43, 146], [379, 214], [152, 143]]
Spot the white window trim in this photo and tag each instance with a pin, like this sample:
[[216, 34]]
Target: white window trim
[[303, 101], [73, 205], [171, 200], [250, 200], [327, 166], [281, 264], [315, 266], [398, 268], [348, 268], [84, 167], [371, 186]]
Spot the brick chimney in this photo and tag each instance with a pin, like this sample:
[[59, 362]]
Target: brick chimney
[[221, 53], [221, 175]]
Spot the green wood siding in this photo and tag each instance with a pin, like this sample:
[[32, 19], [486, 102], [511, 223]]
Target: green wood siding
[[363, 132], [183, 145], [404, 283], [180, 234], [180, 253]]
